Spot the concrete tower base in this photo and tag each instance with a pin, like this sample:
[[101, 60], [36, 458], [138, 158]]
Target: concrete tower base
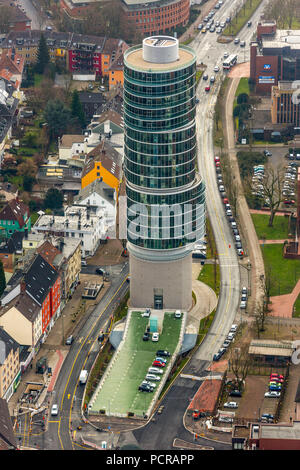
[[169, 281]]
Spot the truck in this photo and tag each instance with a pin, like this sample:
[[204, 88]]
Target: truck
[[83, 377]]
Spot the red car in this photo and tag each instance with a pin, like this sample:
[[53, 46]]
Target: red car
[[158, 364], [218, 164], [276, 375], [217, 159], [225, 200], [207, 88], [289, 202]]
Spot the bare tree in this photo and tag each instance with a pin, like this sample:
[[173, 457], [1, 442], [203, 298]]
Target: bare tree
[[262, 308], [271, 186], [6, 15], [240, 361], [290, 10]]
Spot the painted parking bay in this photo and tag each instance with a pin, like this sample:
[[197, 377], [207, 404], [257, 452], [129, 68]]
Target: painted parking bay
[[118, 393]]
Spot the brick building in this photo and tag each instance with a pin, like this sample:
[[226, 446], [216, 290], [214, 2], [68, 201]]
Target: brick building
[[152, 17], [274, 57]]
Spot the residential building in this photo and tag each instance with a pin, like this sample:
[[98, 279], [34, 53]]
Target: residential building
[[8, 439], [91, 103], [8, 191], [79, 53], [64, 254], [42, 283], [102, 163], [70, 146], [160, 172], [154, 17], [116, 72], [11, 67], [108, 125], [15, 216], [18, 21], [78, 222], [99, 196], [10, 250], [22, 320], [275, 57], [10, 373]]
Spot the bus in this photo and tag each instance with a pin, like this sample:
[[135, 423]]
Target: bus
[[230, 62]]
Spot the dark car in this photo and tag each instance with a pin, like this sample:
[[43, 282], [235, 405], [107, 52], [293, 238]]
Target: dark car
[[163, 353], [145, 388], [235, 393], [100, 271], [217, 356], [205, 76], [146, 336], [249, 24], [70, 340]]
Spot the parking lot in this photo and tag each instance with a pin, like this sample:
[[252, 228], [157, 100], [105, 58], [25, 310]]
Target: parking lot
[[119, 392]]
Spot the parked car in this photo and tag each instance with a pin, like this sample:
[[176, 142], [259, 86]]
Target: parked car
[[100, 271], [153, 377], [158, 364], [273, 394], [249, 24], [155, 370], [242, 43], [226, 344], [235, 393], [163, 353], [146, 336], [161, 359], [155, 337], [146, 313], [151, 384], [233, 328], [70, 340], [216, 68], [54, 410], [243, 304], [231, 404], [145, 388]]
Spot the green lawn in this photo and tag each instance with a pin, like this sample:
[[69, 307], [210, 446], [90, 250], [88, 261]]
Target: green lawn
[[279, 231], [119, 393], [207, 275], [297, 307], [241, 18], [243, 87], [284, 273]]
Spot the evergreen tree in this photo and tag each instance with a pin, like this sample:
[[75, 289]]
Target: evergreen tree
[[2, 279], [53, 199], [43, 56], [57, 117], [77, 109]]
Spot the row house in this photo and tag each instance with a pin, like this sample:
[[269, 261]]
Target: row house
[[42, 283], [17, 19], [9, 365], [22, 320], [8, 111], [79, 53]]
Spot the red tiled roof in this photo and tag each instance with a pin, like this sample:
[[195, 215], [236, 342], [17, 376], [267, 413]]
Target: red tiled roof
[[15, 210], [48, 252]]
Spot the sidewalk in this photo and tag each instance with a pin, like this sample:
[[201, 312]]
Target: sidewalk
[[244, 217]]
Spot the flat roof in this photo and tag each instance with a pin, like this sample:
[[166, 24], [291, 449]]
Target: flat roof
[[134, 57], [281, 432]]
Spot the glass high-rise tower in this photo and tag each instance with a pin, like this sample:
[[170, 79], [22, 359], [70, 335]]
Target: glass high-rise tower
[[165, 194]]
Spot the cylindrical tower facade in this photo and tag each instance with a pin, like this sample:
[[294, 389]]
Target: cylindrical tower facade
[[165, 194]]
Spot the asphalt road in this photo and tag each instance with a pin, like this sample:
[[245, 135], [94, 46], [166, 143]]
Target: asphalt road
[[68, 393]]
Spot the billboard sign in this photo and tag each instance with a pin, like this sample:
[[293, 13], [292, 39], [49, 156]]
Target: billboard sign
[[266, 79], [267, 66]]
